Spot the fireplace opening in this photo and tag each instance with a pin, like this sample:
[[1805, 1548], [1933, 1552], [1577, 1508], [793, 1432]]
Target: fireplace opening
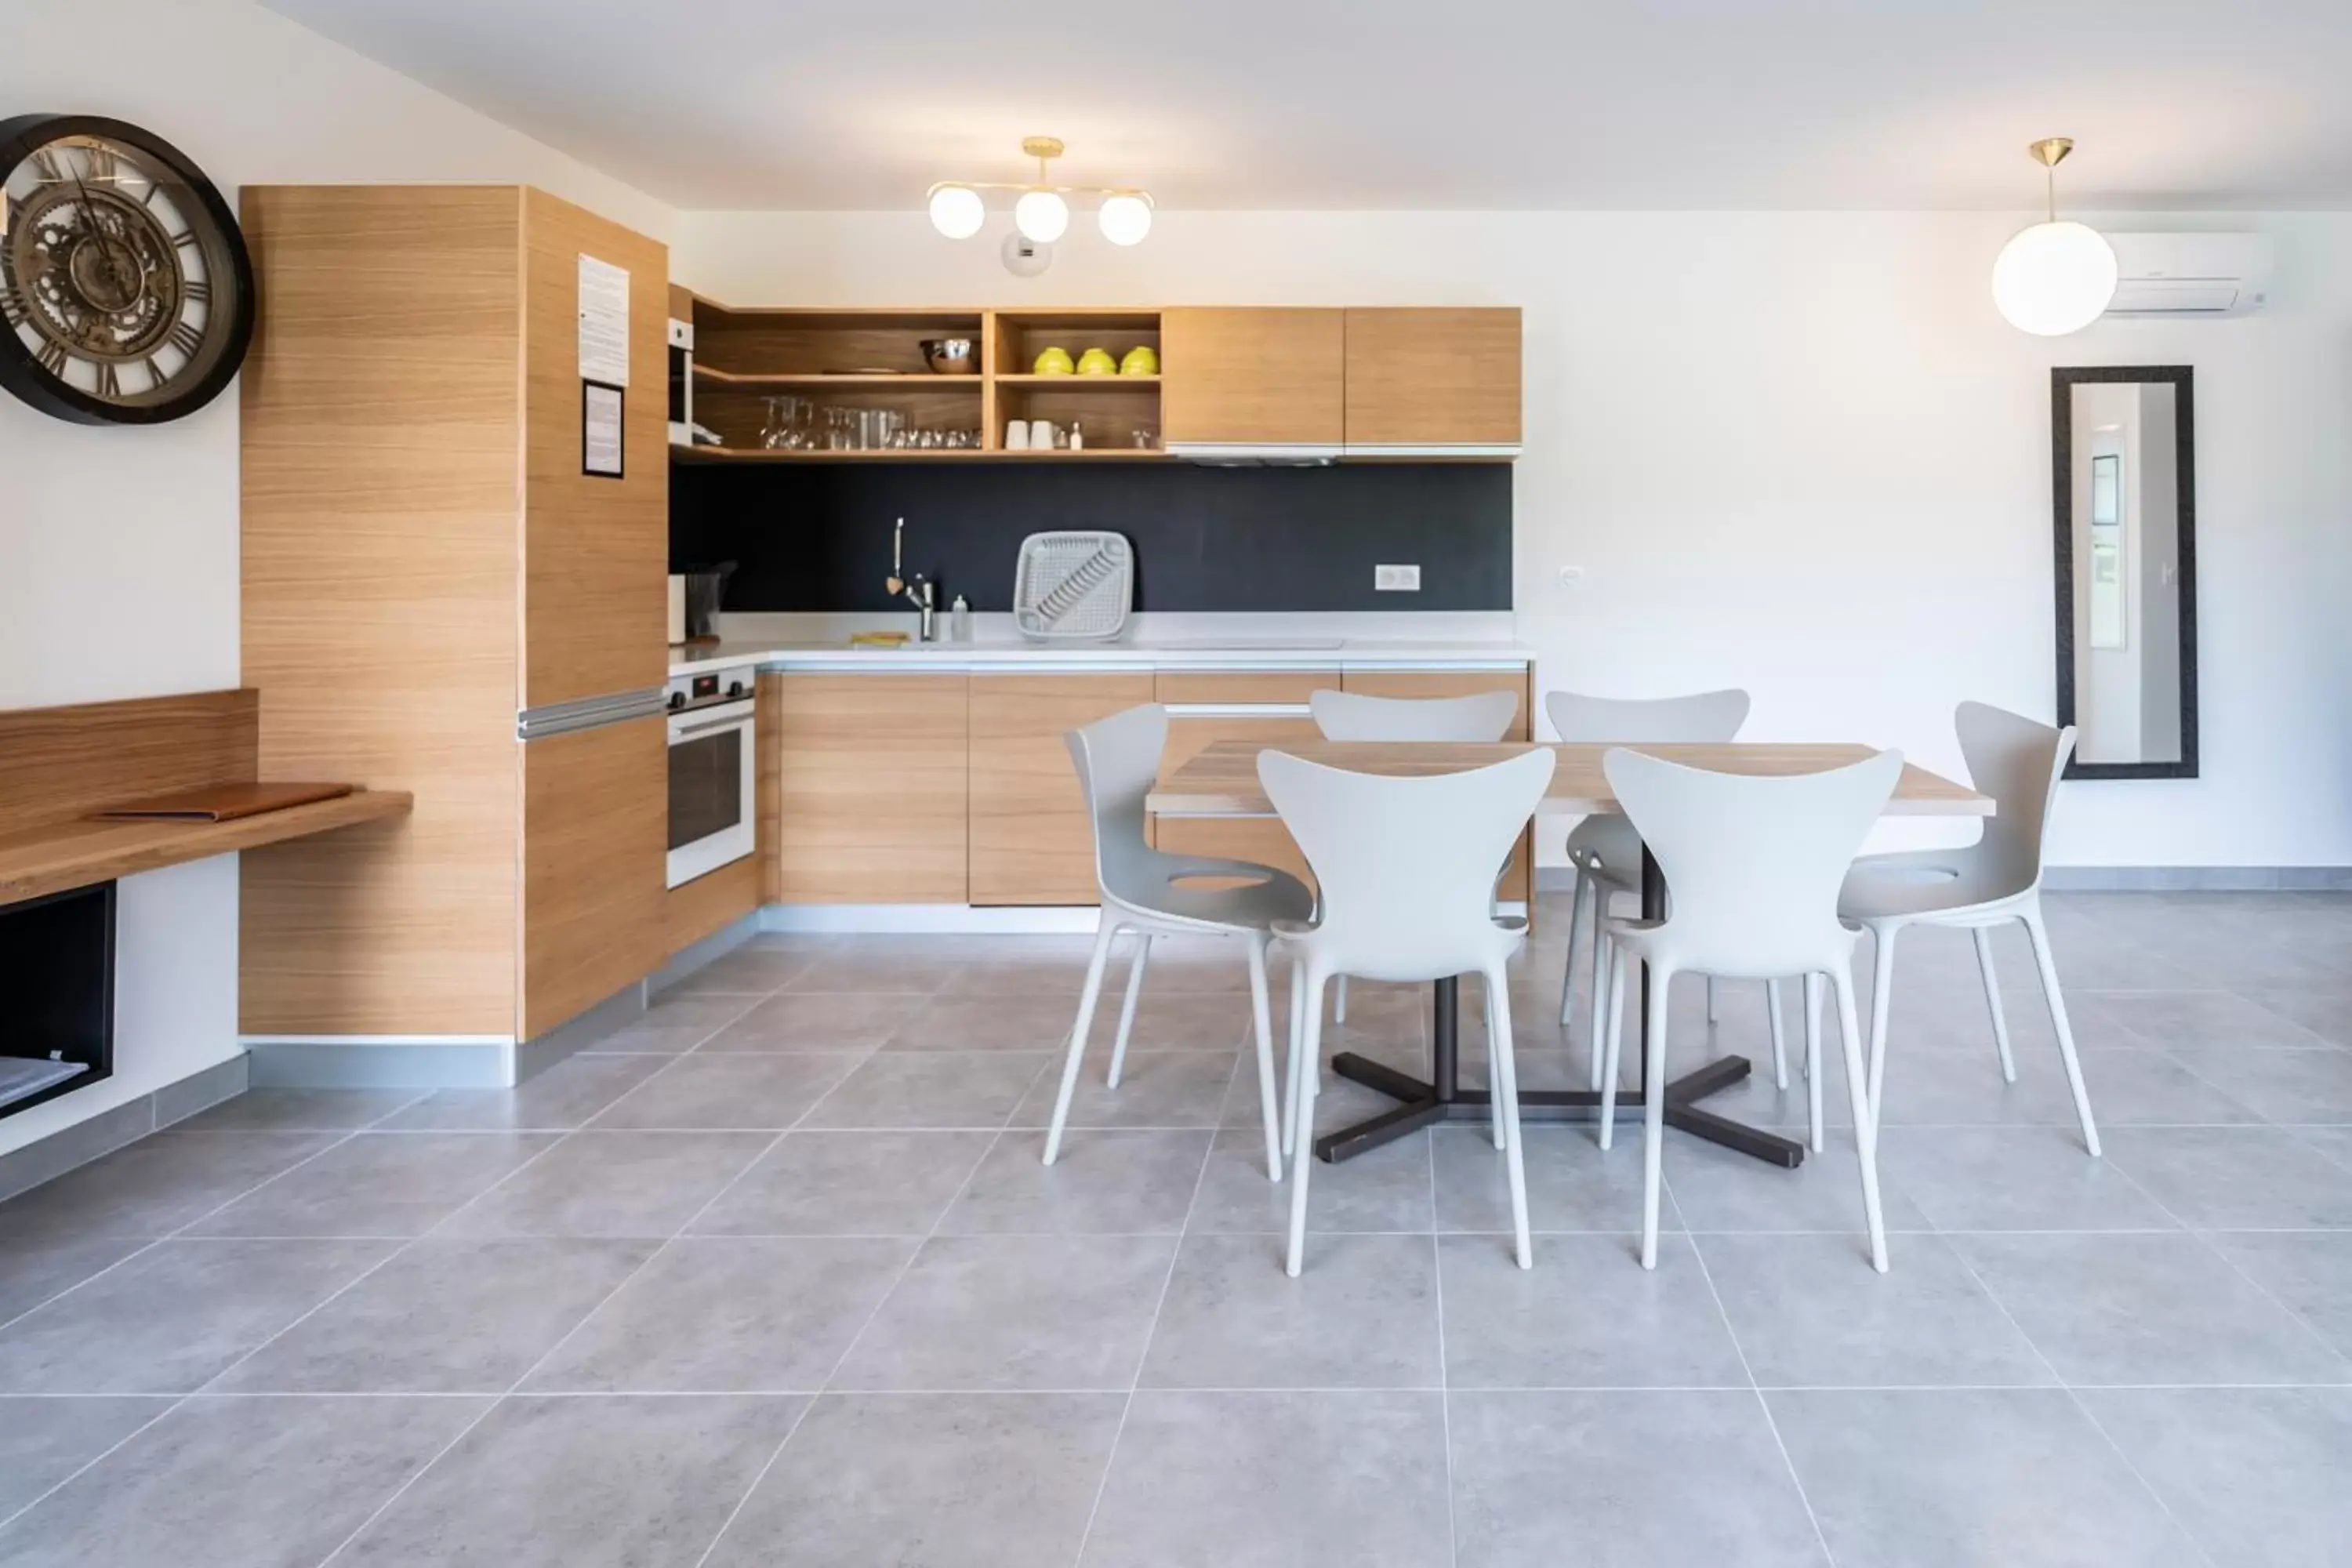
[[57, 995]]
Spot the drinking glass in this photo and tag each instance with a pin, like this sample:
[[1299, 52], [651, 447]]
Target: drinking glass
[[841, 429]]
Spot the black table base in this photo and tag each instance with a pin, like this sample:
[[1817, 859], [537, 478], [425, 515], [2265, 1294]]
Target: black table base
[[1423, 1104]]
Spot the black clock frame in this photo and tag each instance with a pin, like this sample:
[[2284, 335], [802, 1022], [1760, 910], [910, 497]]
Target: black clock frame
[[22, 374]]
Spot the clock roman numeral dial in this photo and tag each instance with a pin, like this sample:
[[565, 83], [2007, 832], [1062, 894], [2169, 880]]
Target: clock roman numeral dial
[[53, 358], [196, 291], [185, 338], [45, 165], [109, 379]]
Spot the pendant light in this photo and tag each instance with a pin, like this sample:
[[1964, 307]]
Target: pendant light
[[2054, 278], [1041, 211]]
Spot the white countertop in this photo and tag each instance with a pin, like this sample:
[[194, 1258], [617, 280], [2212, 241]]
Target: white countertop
[[1170, 653]]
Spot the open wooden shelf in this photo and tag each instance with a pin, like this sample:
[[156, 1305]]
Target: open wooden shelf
[[1082, 382], [81, 853], [917, 455], [925, 380]]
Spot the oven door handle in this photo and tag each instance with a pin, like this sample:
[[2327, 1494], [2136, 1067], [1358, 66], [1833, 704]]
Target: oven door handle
[[678, 732]]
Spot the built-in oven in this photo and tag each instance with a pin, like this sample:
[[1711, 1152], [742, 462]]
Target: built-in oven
[[713, 773], [681, 384]]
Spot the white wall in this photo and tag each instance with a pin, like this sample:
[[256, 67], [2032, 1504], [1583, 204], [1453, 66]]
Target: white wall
[[1800, 453], [119, 547]]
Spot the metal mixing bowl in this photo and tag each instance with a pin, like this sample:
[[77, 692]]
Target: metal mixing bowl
[[948, 356]]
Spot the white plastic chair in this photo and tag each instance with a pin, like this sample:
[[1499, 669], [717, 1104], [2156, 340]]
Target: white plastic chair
[[1146, 891], [1607, 852], [1753, 865], [1979, 886], [1406, 869], [1353, 716]]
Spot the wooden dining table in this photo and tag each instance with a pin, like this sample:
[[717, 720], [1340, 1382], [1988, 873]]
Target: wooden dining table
[[1222, 781]]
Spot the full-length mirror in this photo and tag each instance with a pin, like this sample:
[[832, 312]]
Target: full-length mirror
[[2124, 484]]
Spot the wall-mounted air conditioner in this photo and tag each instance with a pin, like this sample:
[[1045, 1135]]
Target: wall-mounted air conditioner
[[2191, 275]]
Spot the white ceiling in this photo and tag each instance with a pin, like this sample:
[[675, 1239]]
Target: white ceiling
[[850, 104]]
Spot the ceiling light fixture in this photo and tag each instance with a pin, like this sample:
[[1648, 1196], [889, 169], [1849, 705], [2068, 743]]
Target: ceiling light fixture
[[1043, 211], [2054, 278]]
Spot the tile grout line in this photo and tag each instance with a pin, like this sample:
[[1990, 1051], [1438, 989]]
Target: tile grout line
[[1159, 1306], [1445, 1373], [825, 1384]]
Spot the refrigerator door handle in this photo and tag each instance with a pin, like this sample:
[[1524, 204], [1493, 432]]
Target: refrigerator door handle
[[589, 713]]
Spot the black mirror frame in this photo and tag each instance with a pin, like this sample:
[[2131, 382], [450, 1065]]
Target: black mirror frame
[[2063, 381]]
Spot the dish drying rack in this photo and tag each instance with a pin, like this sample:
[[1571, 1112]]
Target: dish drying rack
[[1074, 586]]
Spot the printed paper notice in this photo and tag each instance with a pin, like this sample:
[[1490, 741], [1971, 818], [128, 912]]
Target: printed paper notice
[[604, 322], [600, 430]]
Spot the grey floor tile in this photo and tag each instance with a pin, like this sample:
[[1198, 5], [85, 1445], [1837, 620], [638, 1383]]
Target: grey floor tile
[[1045, 1312], [158, 1184], [1044, 966], [2151, 1089], [1169, 1018], [612, 1184], [443, 1316], [1104, 1182], [557, 1100], [930, 1480], [1572, 1185], [1387, 1189], [847, 1184], [749, 971], [2324, 1010], [1587, 1315], [379, 1184], [35, 1268], [1339, 1103], [1714, 1188], [2256, 1474], [238, 1483], [2014, 1178], [909, 966], [2219, 1019], [1361, 1314], [2145, 1308], [1635, 1479], [1029, 1023], [1257, 1480], [676, 1024], [2308, 1086], [174, 1316], [1808, 1313], [43, 1441], [931, 1088], [820, 1021], [2333, 1143], [558, 1482], [2235, 1178], [301, 1110], [1159, 1088], [2309, 1273], [1940, 1479], [730, 1315], [728, 1093]]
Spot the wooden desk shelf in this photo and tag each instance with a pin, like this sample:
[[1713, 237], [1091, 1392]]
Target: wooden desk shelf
[[81, 853]]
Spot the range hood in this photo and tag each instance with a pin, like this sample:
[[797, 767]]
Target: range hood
[[1257, 455]]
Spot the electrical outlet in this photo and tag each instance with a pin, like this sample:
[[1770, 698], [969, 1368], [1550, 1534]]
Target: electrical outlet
[[1396, 579]]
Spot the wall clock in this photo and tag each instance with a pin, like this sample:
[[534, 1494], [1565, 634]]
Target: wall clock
[[126, 294]]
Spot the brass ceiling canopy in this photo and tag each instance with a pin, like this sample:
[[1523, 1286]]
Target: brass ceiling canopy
[[2049, 152]]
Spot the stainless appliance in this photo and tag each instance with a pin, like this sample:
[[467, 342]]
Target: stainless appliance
[[713, 772]]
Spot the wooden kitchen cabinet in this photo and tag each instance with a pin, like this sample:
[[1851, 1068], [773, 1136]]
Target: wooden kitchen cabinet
[[596, 814], [1252, 377], [869, 797], [1031, 840], [1418, 379], [1280, 694], [1517, 882]]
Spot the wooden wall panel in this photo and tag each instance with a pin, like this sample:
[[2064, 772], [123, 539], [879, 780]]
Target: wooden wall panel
[[596, 804], [595, 551], [870, 802], [1517, 882], [381, 434], [1433, 377], [711, 902], [59, 763], [1031, 840], [1253, 376]]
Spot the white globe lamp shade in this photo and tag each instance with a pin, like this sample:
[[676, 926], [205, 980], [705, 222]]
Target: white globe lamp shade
[[1042, 215], [956, 211], [2054, 277], [1125, 219]]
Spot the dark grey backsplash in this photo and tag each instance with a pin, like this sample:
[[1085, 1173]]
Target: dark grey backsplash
[[816, 536]]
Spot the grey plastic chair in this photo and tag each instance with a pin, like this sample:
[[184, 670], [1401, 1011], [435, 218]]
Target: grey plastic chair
[[1978, 887], [1484, 716], [1147, 891], [1607, 852], [1408, 895]]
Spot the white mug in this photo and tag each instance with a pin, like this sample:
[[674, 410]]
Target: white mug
[[1041, 434], [1016, 434]]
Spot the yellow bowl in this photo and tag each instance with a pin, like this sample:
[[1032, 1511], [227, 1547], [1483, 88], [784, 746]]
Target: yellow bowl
[[1053, 362]]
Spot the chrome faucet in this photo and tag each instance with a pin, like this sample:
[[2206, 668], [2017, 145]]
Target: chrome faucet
[[919, 590]]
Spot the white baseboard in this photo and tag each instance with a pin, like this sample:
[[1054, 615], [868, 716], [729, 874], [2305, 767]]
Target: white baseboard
[[1031, 920]]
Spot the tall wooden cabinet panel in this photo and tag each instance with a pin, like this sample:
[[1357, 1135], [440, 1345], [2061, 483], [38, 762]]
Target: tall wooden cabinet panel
[[870, 795], [1030, 841], [596, 549], [1518, 881], [416, 567], [1252, 376], [595, 839], [1424, 378]]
